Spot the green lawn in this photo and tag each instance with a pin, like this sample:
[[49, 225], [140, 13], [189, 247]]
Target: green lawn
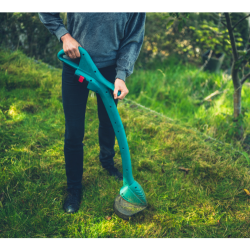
[[208, 200]]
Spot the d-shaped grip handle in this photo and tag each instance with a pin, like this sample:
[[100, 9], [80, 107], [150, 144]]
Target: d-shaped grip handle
[[71, 63]]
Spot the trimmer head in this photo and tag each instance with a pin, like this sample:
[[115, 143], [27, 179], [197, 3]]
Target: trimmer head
[[125, 209], [130, 201]]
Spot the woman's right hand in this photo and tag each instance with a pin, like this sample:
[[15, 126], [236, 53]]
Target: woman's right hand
[[70, 46]]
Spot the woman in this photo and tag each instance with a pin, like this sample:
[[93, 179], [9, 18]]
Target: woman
[[113, 41]]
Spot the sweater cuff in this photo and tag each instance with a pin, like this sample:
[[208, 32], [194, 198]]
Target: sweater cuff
[[60, 32], [121, 75]]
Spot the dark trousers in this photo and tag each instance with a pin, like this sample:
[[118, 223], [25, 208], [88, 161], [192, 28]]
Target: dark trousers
[[74, 96]]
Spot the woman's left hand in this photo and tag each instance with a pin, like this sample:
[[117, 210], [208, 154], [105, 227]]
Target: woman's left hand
[[120, 85]]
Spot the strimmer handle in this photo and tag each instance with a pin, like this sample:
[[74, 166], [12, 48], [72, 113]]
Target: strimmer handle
[[72, 64], [69, 62]]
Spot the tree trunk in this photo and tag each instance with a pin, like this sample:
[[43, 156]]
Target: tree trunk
[[236, 80], [237, 102], [237, 92]]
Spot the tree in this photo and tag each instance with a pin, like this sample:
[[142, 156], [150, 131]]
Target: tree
[[240, 61]]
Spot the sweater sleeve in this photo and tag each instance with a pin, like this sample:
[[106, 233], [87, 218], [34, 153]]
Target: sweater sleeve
[[130, 45], [54, 24]]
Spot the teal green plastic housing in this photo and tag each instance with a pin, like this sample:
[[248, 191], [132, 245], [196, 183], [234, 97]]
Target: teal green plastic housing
[[131, 191]]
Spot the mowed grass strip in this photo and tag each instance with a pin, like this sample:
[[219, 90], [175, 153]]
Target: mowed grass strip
[[194, 188]]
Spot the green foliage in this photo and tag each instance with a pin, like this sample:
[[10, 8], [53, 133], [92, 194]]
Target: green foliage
[[161, 32], [215, 36], [208, 36], [243, 61], [24, 31], [242, 29], [208, 200], [181, 17], [189, 37]]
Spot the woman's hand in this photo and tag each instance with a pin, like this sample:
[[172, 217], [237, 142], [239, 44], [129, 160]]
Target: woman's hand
[[120, 85], [70, 46]]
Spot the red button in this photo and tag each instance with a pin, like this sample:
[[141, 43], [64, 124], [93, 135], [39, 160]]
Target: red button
[[81, 78]]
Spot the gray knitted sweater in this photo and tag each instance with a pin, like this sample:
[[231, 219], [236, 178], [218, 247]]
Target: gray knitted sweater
[[109, 38]]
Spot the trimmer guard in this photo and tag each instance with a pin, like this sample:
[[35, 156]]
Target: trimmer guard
[[132, 198]]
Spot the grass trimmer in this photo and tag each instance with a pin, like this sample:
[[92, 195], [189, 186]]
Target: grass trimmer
[[131, 199]]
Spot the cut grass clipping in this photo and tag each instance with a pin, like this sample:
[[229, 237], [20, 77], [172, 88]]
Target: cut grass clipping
[[194, 188]]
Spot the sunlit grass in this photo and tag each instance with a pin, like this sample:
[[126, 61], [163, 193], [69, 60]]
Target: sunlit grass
[[178, 91], [206, 201]]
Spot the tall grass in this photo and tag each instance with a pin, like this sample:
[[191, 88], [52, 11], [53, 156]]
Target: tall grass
[[178, 91], [194, 187]]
